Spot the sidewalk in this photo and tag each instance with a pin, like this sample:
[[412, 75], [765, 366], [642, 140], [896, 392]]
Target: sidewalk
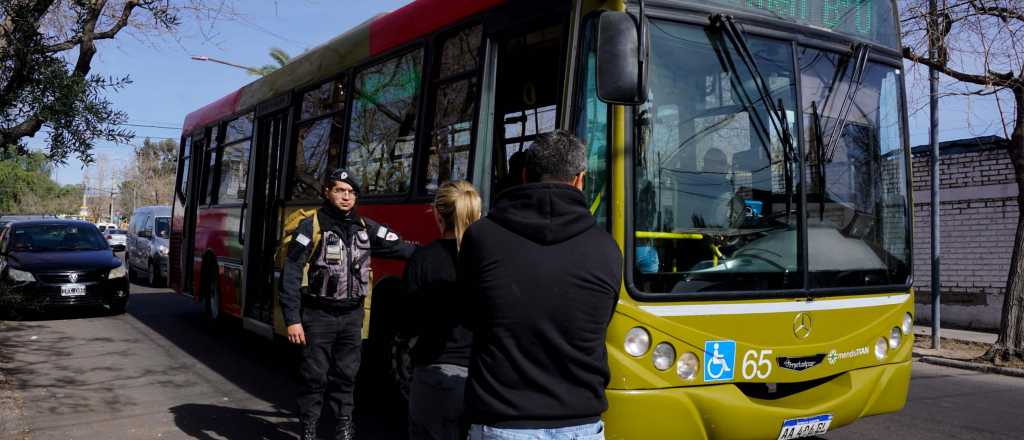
[[961, 349], [959, 335]]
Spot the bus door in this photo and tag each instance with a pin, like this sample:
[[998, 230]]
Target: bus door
[[263, 226], [527, 93], [191, 213]]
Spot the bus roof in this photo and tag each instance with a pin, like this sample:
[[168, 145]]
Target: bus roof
[[370, 38]]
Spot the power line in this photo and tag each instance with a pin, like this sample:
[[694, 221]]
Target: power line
[[166, 127]]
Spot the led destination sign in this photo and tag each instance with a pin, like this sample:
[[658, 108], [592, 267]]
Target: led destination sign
[[870, 19]]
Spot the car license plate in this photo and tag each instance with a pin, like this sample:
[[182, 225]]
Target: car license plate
[[805, 427], [72, 290]]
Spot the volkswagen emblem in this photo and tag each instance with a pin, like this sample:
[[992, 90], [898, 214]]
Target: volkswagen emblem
[[73, 277], [802, 325]]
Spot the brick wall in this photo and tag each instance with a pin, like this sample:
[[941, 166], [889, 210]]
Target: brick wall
[[978, 221]]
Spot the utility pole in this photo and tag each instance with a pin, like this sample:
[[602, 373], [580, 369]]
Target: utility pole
[[933, 139]]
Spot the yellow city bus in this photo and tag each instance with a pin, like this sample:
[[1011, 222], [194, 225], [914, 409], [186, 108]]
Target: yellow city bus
[[749, 156]]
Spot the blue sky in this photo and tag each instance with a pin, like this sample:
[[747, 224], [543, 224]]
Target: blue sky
[[168, 84]]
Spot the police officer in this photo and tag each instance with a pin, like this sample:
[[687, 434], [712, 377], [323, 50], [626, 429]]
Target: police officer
[[324, 282]]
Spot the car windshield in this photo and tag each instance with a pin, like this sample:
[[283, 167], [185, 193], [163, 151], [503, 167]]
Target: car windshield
[[57, 237], [719, 172], [163, 226]]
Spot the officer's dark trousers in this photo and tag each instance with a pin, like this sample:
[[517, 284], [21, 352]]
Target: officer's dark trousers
[[330, 360]]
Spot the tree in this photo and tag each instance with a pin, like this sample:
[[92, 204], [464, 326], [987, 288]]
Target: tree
[[149, 180], [47, 48], [977, 42], [26, 187], [280, 57]]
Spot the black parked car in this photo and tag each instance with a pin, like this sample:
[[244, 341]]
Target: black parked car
[[60, 262]]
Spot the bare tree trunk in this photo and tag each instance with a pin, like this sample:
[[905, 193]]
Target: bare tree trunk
[[1010, 343]]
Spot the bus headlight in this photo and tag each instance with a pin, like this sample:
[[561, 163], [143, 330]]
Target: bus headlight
[[895, 338], [908, 324], [686, 368], [881, 348], [117, 272], [663, 357], [637, 341], [19, 276]]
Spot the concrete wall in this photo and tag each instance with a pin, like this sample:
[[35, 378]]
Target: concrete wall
[[978, 221]]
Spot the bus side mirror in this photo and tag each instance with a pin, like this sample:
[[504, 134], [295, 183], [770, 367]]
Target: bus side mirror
[[619, 73]]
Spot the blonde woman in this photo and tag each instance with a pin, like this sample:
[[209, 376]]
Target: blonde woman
[[441, 355]]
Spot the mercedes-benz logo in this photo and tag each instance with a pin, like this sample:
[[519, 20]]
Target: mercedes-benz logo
[[802, 325], [73, 277]]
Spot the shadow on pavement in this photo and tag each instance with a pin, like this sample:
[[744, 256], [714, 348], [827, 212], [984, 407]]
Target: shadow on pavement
[[215, 422], [264, 369]]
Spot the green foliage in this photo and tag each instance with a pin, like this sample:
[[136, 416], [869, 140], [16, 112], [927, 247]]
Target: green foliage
[[280, 57], [46, 52], [150, 179], [26, 187]]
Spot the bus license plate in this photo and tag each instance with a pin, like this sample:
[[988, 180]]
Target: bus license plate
[[805, 427], [72, 290]]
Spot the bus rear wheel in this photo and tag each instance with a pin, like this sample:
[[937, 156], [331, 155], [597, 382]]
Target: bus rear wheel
[[211, 298]]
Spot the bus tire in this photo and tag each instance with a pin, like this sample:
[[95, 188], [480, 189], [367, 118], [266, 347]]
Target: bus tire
[[384, 359], [211, 294]]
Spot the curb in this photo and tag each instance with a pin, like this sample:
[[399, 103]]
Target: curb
[[964, 365]]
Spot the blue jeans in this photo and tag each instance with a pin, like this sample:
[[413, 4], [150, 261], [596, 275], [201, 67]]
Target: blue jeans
[[591, 431]]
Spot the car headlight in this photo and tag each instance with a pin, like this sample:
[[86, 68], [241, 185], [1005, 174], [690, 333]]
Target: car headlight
[[637, 341], [163, 250], [908, 324], [895, 337], [687, 366], [118, 272], [20, 276], [663, 356]]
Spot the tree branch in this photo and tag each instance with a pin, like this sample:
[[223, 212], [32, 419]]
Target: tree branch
[[110, 33], [1004, 14], [991, 78]]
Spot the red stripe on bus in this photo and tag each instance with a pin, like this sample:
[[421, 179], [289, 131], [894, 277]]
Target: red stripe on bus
[[420, 18], [212, 111]]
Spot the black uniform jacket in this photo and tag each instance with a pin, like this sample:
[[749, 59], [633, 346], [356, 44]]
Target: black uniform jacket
[[384, 243]]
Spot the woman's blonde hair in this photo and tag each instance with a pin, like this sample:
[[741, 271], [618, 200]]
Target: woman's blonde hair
[[457, 205]]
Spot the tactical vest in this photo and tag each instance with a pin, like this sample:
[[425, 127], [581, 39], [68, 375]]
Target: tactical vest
[[340, 272]]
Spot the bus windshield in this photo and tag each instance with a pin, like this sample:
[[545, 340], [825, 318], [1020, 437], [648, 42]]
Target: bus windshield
[[719, 171]]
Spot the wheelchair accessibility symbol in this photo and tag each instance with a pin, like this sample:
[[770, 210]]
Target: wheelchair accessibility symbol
[[719, 360]]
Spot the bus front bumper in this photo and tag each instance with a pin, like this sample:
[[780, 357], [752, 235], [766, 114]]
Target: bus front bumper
[[724, 412]]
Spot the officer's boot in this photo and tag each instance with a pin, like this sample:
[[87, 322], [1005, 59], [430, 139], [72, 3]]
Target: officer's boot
[[309, 431], [345, 429]]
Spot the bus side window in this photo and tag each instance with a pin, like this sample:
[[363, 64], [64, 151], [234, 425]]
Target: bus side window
[[211, 187], [526, 96], [456, 91], [234, 162], [319, 134], [382, 133], [184, 170], [592, 128]]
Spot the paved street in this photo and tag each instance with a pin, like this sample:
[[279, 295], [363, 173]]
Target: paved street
[[161, 371]]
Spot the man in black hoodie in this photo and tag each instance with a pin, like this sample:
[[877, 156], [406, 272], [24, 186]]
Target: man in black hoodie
[[323, 284], [541, 280]]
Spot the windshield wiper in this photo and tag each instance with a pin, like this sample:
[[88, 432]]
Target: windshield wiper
[[860, 62], [726, 26], [825, 147]]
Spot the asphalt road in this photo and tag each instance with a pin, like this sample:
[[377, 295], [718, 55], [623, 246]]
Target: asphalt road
[[161, 371]]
